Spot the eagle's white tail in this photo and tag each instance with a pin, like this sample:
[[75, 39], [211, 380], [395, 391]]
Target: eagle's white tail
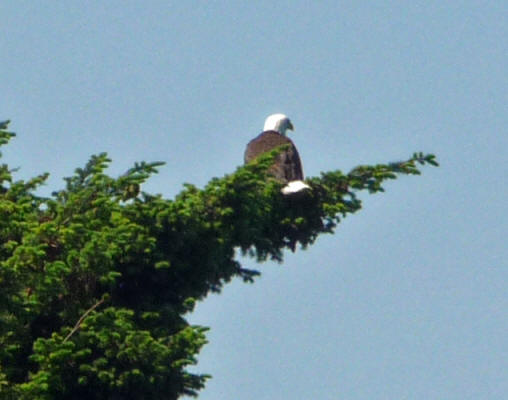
[[294, 187]]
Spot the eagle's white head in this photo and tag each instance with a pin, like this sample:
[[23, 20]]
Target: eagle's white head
[[279, 123]]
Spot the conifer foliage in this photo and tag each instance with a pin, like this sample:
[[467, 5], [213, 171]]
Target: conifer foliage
[[96, 280]]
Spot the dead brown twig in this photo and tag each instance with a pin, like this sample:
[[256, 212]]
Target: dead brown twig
[[82, 318]]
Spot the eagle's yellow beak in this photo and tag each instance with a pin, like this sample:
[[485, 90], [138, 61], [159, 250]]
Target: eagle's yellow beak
[[290, 126]]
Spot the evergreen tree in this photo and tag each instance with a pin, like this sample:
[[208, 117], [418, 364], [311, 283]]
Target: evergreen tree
[[96, 280]]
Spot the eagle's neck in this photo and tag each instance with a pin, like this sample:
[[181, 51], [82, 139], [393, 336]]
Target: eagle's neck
[[275, 128]]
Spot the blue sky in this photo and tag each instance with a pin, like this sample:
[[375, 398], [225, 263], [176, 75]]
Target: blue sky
[[408, 299]]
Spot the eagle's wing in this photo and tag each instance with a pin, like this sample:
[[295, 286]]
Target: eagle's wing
[[287, 166]]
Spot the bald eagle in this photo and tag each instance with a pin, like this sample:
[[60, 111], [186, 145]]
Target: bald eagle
[[287, 167]]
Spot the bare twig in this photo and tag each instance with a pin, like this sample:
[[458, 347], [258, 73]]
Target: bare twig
[[80, 321]]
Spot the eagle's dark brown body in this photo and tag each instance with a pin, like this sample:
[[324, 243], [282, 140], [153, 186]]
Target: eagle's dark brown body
[[287, 166]]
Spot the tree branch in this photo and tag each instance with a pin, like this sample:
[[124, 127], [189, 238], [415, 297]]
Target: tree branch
[[80, 321]]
